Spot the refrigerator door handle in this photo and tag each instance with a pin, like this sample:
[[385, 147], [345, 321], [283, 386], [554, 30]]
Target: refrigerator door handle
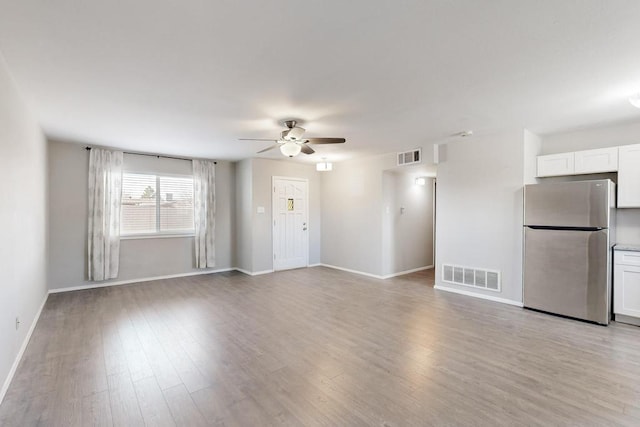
[[549, 227]]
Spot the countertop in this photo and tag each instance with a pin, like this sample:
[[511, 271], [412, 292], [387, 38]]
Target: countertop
[[626, 247]]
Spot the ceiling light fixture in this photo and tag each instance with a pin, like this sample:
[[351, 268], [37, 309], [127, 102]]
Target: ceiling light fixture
[[290, 149], [635, 100], [324, 166]]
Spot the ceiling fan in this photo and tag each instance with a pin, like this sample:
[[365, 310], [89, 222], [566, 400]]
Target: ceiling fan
[[291, 141]]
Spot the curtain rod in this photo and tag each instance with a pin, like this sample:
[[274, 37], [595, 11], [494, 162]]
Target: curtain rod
[[152, 155]]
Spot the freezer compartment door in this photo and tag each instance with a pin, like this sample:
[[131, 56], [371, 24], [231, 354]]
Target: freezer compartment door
[[585, 204], [567, 272]]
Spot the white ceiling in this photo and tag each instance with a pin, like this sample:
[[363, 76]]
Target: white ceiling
[[190, 77]]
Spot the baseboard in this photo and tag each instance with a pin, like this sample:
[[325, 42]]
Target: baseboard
[[348, 270], [402, 273], [481, 296], [143, 279], [27, 338], [375, 276], [629, 320], [197, 273], [253, 273]]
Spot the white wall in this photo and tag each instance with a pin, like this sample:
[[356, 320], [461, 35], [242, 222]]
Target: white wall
[[628, 220], [479, 209], [23, 221], [407, 236], [139, 258]]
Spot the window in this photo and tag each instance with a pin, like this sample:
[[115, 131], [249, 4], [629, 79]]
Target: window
[[156, 204]]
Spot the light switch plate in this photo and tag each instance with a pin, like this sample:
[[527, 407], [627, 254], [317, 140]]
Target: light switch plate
[[260, 209]]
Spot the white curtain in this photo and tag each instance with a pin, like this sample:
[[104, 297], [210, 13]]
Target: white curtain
[[204, 209], [105, 195]]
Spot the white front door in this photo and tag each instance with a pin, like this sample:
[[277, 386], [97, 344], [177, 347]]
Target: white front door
[[290, 223]]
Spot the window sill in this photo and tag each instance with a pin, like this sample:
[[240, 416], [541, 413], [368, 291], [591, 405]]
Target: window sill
[[155, 236]]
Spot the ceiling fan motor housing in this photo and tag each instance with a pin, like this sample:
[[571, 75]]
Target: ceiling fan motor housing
[[293, 134]]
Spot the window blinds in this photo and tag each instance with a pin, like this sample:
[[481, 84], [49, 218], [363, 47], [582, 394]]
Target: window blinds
[[156, 204]]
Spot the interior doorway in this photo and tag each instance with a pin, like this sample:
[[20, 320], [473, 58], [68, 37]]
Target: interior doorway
[[408, 221], [290, 223]]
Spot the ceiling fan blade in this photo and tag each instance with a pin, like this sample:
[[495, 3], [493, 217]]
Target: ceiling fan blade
[[307, 150], [256, 139], [269, 148], [325, 140]]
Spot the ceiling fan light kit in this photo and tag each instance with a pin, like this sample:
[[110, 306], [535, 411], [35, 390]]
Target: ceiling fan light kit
[[290, 148], [291, 141]]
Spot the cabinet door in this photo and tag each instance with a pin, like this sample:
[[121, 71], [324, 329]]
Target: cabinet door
[[626, 290], [556, 164], [596, 161], [629, 176]]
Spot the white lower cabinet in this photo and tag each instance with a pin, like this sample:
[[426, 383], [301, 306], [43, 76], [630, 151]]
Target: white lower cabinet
[[626, 286]]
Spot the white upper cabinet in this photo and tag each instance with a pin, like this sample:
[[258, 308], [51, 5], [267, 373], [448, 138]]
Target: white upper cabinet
[[556, 164], [596, 161], [579, 162], [629, 176]]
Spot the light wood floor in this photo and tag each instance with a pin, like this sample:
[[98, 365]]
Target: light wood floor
[[316, 347]]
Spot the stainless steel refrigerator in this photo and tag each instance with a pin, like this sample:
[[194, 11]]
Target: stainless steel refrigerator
[[568, 235]]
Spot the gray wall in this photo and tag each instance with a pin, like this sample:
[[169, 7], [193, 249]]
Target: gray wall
[[479, 209], [244, 215], [255, 230], [628, 220], [532, 148], [262, 230], [352, 214], [139, 258], [355, 235], [407, 236], [597, 137], [23, 217]]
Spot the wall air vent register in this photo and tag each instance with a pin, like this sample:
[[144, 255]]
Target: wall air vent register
[[410, 157], [474, 277]]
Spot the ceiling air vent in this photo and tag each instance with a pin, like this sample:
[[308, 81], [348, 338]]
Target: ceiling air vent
[[410, 157], [474, 277]]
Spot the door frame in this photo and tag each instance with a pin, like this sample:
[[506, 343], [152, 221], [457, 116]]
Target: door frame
[[434, 204], [273, 217]]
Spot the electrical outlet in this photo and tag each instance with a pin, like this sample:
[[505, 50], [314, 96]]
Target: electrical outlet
[[17, 322]]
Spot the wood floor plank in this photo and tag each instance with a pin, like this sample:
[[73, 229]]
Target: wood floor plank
[[96, 410], [125, 410], [184, 411], [153, 405], [215, 403], [316, 347]]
